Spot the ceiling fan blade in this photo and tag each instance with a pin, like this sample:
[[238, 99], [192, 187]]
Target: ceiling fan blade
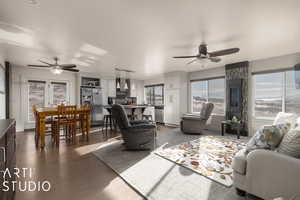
[[192, 61], [67, 66], [223, 52], [38, 66], [46, 63], [215, 59], [185, 56], [71, 70]]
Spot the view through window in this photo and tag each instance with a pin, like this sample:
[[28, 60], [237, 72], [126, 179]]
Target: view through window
[[208, 91], [36, 96], [276, 92], [154, 94], [45, 93]]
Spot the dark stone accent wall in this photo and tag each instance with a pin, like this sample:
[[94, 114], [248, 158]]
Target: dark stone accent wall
[[237, 71]]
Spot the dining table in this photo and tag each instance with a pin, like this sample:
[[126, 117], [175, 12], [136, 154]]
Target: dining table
[[84, 118]]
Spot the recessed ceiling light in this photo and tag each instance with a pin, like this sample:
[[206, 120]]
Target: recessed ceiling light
[[32, 2]]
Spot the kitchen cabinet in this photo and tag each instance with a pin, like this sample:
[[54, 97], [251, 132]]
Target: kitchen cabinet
[[7, 155]]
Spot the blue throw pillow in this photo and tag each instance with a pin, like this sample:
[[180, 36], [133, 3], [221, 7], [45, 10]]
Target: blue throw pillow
[[268, 137]]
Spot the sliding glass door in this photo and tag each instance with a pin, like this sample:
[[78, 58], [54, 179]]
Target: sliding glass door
[[36, 96], [154, 94], [58, 92], [45, 93]]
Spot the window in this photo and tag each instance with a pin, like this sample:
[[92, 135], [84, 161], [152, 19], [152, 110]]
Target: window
[[199, 94], [59, 93], [36, 96], [208, 91], [46, 93], [268, 94], [276, 92], [154, 94], [292, 94]]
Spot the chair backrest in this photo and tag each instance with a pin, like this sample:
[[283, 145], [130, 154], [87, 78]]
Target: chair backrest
[[34, 112], [150, 110], [119, 114], [67, 112], [206, 110]]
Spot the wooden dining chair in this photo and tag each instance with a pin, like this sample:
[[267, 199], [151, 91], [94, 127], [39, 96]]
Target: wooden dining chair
[[82, 119], [66, 119], [49, 129]]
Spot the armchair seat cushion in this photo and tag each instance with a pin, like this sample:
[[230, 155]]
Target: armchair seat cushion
[[192, 117], [135, 122], [139, 127], [239, 163]]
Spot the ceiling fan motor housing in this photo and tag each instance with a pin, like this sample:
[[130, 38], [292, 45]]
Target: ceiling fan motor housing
[[202, 50]]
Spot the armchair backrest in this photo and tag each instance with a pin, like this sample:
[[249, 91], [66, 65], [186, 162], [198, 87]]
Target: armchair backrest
[[206, 110], [119, 114]]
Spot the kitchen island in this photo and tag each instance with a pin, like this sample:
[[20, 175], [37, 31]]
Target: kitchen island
[[132, 108]]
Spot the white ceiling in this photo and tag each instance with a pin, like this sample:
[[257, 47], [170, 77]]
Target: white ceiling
[[143, 35]]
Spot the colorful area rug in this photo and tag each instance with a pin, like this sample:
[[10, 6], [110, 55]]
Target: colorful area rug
[[209, 156]]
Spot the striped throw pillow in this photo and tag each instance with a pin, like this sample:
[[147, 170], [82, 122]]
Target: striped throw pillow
[[290, 144]]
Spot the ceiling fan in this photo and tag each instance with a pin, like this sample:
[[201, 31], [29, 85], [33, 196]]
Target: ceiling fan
[[55, 67], [212, 56]]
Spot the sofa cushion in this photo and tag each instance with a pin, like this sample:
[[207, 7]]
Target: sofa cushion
[[298, 122], [239, 163], [290, 144], [283, 118], [267, 137]]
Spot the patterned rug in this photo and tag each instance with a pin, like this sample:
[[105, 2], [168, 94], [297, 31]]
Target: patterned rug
[[209, 156]]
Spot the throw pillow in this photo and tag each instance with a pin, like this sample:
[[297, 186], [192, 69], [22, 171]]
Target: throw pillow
[[290, 144], [267, 137], [298, 122], [283, 118]]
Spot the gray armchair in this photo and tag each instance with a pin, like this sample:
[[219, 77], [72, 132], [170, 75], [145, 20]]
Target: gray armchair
[[137, 134], [194, 124]]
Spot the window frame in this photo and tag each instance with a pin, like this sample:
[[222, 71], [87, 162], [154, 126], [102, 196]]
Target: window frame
[[207, 93], [283, 85], [152, 99]]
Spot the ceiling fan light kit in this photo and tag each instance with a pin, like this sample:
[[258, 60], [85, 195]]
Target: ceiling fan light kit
[[56, 68]]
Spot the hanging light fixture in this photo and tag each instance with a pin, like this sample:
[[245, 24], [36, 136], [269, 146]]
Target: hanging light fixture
[[125, 78], [56, 69], [118, 78], [118, 84]]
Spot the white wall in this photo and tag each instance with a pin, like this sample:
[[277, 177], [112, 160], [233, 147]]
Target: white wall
[[175, 96], [18, 98], [137, 90], [154, 81]]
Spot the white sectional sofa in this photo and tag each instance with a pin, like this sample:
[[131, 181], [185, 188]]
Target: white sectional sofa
[[267, 174]]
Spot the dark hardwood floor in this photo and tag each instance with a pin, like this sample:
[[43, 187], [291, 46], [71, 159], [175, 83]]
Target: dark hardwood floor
[[74, 173]]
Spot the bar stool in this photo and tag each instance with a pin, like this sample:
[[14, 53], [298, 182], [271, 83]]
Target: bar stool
[[108, 121], [132, 117], [148, 114]]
